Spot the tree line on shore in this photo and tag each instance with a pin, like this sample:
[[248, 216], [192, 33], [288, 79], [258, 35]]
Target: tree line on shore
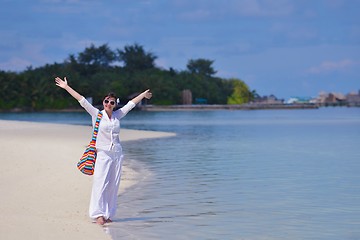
[[99, 70]]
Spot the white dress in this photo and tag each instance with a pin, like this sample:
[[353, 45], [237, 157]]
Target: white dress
[[106, 178]]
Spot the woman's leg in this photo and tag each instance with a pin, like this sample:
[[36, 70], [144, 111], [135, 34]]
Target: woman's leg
[[99, 207], [114, 184]]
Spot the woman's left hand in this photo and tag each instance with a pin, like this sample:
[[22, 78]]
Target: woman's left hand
[[147, 94]]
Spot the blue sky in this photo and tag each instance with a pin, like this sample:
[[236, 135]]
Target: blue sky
[[282, 47]]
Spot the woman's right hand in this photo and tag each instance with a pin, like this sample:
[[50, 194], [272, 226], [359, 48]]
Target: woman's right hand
[[61, 83]]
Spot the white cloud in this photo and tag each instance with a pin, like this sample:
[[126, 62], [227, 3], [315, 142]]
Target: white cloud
[[27, 54], [302, 33], [198, 14], [15, 64], [207, 9], [68, 7], [334, 3], [162, 63], [263, 7], [355, 33], [64, 1], [293, 32], [331, 66]]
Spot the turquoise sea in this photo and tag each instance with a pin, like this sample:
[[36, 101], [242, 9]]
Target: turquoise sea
[[259, 174]]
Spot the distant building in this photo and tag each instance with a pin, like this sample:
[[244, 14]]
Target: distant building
[[200, 100], [337, 99], [353, 99], [298, 100], [186, 97], [268, 100]]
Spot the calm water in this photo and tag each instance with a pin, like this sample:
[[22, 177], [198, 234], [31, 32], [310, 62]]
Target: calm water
[[287, 174]]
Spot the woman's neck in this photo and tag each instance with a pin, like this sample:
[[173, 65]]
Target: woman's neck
[[109, 113]]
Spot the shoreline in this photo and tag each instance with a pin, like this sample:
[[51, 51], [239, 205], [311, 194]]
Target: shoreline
[[43, 193], [211, 107], [201, 107]]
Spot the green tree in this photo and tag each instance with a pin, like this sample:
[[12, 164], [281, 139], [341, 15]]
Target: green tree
[[136, 59], [201, 66], [93, 75], [9, 82], [98, 56], [253, 95], [240, 94]]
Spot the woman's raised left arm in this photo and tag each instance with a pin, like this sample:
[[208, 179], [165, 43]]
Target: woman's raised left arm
[[146, 94], [132, 103]]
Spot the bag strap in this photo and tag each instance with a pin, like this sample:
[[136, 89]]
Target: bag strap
[[96, 129]]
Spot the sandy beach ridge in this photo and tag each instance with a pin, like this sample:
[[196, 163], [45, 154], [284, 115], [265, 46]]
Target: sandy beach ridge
[[43, 195]]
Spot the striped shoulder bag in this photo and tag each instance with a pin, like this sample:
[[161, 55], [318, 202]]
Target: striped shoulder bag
[[87, 162]]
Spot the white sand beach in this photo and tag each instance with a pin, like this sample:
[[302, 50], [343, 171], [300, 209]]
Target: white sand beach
[[43, 194]]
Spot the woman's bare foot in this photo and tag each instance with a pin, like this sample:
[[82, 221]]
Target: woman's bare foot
[[100, 220]]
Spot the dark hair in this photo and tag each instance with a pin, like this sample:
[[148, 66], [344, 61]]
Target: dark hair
[[112, 95]]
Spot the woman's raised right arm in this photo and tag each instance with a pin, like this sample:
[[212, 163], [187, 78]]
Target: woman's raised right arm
[[63, 84]]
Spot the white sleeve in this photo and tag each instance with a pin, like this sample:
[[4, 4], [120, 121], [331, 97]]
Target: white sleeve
[[125, 109], [93, 111]]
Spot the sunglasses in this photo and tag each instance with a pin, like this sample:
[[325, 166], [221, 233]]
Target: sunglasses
[[111, 102]]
